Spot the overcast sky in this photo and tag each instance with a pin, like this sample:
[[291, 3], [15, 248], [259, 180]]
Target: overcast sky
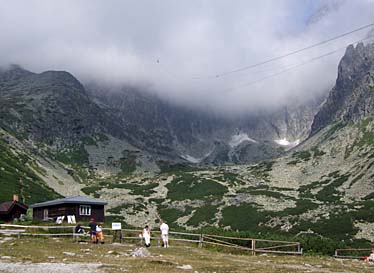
[[175, 47]]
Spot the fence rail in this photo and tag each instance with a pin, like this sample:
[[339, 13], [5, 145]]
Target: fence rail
[[349, 253], [250, 245], [254, 245]]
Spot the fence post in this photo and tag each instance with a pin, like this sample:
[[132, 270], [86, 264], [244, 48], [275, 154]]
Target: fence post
[[201, 240], [336, 253], [117, 233], [253, 247]]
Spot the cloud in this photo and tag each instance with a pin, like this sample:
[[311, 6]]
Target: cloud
[[175, 47]]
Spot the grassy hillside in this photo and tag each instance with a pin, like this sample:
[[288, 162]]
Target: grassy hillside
[[322, 189], [16, 177]]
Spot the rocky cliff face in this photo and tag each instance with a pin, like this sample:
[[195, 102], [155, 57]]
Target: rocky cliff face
[[205, 137], [352, 98]]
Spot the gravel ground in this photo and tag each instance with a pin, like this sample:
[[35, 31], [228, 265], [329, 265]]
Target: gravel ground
[[9, 267]]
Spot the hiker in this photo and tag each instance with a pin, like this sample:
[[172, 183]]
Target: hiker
[[164, 228], [147, 236], [371, 257], [99, 234], [92, 226]]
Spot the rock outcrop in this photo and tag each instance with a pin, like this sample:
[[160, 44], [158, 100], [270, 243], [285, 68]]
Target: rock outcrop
[[352, 98]]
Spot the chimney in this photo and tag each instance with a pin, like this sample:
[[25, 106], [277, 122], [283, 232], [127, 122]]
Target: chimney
[[15, 197]]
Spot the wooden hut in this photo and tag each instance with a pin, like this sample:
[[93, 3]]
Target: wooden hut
[[11, 210], [83, 208]]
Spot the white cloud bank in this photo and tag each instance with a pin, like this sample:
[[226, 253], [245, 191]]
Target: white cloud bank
[[166, 44]]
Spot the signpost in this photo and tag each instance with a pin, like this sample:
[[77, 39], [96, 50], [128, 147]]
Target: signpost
[[117, 231], [116, 226]]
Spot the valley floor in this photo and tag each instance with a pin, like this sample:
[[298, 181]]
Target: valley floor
[[64, 255]]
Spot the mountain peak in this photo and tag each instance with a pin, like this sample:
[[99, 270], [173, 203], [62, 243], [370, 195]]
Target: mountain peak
[[352, 98], [13, 72], [61, 77]]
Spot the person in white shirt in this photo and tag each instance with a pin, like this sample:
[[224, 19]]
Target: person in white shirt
[[100, 234], [147, 236], [164, 228]]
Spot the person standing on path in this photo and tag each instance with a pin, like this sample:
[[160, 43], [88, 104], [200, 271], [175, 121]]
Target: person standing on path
[[147, 236], [92, 226], [164, 228]]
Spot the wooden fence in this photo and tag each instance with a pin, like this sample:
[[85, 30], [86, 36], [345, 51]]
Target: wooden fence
[[352, 253], [249, 245], [254, 245]]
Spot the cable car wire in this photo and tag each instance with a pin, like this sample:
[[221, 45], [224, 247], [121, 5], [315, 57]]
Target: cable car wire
[[222, 74], [296, 65]]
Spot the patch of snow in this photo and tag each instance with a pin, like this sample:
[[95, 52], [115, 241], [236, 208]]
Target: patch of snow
[[239, 138], [191, 158], [194, 159], [285, 142]]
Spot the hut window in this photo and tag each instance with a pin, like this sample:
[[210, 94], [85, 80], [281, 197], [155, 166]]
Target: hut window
[[84, 210]]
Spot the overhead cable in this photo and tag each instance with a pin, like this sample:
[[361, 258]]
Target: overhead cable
[[296, 66], [222, 74]]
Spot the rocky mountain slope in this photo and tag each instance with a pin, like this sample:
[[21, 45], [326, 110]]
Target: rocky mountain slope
[[201, 137], [51, 107], [323, 186], [105, 130], [64, 135], [352, 97]]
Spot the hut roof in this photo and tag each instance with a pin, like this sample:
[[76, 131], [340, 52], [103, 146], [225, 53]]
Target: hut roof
[[70, 200]]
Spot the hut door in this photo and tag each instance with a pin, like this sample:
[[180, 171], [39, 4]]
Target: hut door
[[45, 214]]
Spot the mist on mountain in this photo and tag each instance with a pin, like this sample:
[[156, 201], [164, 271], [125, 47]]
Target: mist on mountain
[[177, 49]]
